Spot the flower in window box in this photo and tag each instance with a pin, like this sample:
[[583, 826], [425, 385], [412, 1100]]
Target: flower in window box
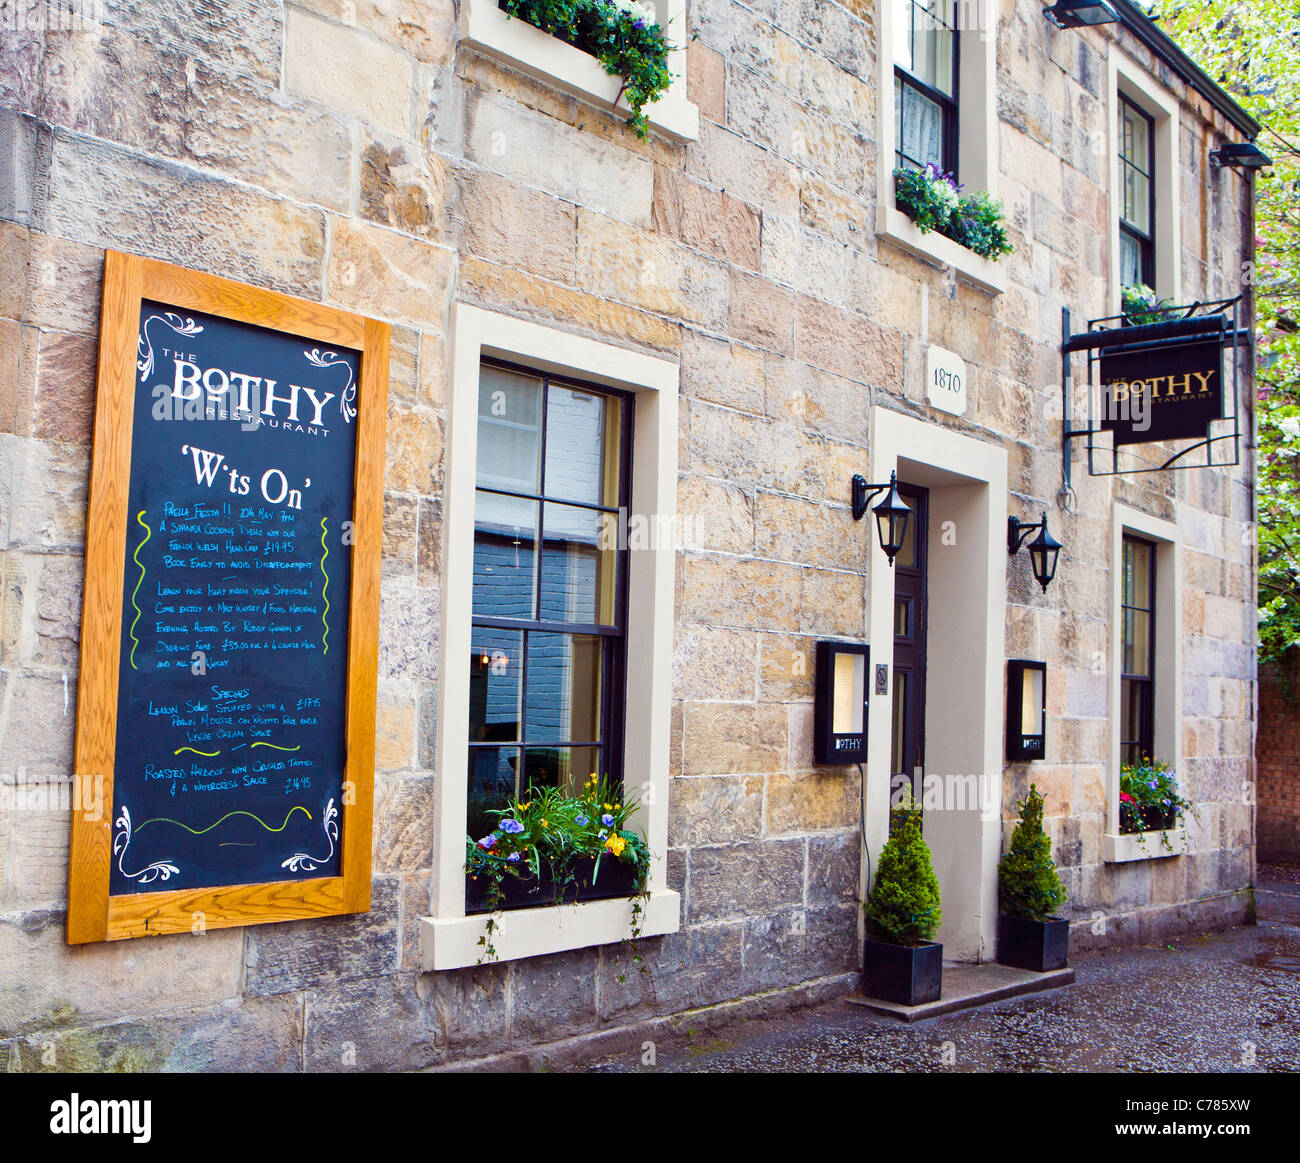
[[934, 200], [548, 850], [1150, 800]]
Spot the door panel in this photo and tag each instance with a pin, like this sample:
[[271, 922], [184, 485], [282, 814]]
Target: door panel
[[907, 752]]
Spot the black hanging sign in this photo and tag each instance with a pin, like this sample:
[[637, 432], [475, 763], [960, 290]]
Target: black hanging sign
[[1163, 391]]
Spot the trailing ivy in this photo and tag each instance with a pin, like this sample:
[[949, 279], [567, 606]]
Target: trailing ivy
[[626, 42], [934, 201]]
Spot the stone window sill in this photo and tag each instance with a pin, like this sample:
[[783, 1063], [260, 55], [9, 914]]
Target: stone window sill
[[452, 942], [485, 27], [932, 246], [1120, 849]]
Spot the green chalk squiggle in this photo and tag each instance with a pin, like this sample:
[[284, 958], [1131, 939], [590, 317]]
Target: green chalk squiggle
[[324, 638], [200, 831], [148, 533]]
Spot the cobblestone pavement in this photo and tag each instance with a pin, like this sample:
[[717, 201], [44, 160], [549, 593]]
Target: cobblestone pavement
[[1221, 1002]]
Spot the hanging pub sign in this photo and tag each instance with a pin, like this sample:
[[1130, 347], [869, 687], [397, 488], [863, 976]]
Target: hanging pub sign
[[1163, 392], [226, 706]]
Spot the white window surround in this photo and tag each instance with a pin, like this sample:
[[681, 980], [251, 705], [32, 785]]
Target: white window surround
[[486, 27], [1128, 77], [977, 137], [449, 939], [1168, 675]]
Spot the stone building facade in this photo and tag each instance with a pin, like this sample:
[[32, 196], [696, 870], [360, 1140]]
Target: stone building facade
[[1278, 756], [414, 162]]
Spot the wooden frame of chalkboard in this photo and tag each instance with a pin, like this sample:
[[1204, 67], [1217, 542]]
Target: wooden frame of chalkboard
[[96, 912]]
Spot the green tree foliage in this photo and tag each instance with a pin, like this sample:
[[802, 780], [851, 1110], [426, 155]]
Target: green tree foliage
[[903, 907], [1252, 49], [1028, 885]]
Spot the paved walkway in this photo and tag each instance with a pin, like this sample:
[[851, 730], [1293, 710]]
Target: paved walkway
[[1222, 1002]]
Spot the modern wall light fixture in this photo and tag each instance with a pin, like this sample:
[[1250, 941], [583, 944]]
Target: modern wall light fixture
[[1078, 13], [1043, 549], [1245, 155], [892, 514], [840, 690], [1026, 709]]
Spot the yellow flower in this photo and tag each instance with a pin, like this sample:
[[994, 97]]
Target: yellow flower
[[616, 844], [607, 807], [544, 824]]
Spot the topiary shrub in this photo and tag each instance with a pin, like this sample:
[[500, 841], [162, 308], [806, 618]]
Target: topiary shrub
[[903, 907], [1028, 885]]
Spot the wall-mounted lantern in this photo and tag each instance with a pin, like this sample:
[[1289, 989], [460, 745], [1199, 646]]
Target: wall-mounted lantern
[[892, 514], [1043, 549], [1026, 709], [840, 690], [1079, 13], [1244, 155]]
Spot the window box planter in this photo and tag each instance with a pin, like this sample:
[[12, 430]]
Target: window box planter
[[909, 975], [616, 878], [487, 28], [1145, 845], [1038, 945], [934, 202]]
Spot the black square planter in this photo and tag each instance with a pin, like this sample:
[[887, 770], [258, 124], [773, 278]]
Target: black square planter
[[909, 975], [1038, 945]]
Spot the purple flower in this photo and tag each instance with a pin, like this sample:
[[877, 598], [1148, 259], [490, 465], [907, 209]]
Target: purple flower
[[513, 827], [607, 820], [488, 841], [513, 857], [581, 821], [1152, 783]]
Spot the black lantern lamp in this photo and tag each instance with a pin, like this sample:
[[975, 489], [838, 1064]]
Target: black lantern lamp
[[892, 514], [1245, 155], [1079, 13], [840, 702], [1043, 549], [1026, 709]]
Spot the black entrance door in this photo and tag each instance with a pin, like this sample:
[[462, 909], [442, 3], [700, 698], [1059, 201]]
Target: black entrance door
[[907, 751]]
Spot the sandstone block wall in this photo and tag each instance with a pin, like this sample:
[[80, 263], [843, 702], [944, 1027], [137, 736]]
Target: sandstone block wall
[[354, 153]]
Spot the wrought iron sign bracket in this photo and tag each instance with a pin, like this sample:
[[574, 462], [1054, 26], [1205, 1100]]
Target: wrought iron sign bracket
[[1182, 329]]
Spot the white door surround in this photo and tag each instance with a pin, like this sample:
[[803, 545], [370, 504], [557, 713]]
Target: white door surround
[[967, 574]]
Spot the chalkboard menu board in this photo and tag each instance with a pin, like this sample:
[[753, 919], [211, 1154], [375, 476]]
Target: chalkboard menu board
[[232, 589]]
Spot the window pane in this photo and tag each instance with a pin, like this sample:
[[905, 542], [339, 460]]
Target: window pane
[[932, 44], [1137, 649], [1135, 138], [509, 430], [495, 671], [1139, 576], [922, 129], [1130, 261], [903, 616], [898, 743], [493, 779], [564, 688], [578, 565], [505, 559], [564, 767], [582, 446], [903, 21], [1137, 199]]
